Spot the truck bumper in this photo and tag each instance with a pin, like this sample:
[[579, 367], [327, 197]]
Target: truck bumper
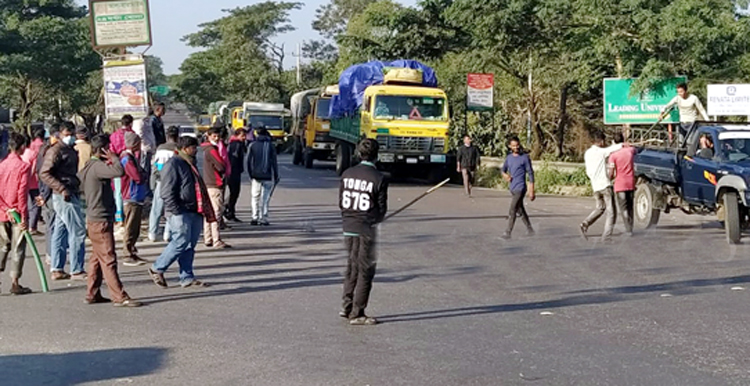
[[414, 159]]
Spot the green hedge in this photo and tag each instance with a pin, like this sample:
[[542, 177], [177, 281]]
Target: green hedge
[[547, 180]]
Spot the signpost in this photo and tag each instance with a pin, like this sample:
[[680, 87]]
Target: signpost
[[125, 88], [480, 93], [159, 90], [728, 100], [622, 107], [120, 23]]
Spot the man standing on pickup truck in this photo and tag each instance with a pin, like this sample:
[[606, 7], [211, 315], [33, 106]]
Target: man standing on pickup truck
[[596, 168], [690, 108], [621, 168]]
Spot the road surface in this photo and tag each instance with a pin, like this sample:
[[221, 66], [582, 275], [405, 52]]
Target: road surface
[[458, 305]]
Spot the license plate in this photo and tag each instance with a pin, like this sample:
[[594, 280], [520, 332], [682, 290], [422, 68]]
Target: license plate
[[386, 158], [437, 158], [411, 160]]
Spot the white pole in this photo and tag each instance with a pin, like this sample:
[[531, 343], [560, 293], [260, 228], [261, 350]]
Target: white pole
[[299, 59]]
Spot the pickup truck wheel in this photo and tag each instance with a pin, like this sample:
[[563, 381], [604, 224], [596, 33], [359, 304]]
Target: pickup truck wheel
[[645, 215], [297, 151], [732, 221]]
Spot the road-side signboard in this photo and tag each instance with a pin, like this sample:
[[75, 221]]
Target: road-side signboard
[[125, 88], [728, 99], [622, 106], [159, 90], [479, 96], [120, 23]]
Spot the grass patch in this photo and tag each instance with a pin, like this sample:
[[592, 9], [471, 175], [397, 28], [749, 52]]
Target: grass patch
[[547, 180]]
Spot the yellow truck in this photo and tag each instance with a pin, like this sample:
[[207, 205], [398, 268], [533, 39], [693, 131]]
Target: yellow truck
[[407, 117], [202, 123], [312, 139], [273, 116]]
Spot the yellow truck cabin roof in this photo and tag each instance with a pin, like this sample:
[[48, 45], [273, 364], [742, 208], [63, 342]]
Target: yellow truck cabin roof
[[404, 91]]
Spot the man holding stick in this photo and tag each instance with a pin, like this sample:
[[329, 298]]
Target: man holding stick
[[363, 200]]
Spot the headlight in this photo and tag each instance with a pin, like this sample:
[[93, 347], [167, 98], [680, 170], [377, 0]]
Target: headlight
[[438, 144]]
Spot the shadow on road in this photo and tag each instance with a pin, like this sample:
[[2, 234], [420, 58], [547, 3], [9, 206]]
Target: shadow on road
[[80, 367]]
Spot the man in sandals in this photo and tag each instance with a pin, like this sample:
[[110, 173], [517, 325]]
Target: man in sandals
[[363, 200], [186, 204], [14, 189], [96, 179]]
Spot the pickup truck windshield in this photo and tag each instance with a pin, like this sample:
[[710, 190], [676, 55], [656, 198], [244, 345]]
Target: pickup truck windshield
[[410, 108], [324, 106], [270, 122]]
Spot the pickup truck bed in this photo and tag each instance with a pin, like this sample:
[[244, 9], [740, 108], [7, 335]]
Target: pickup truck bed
[[658, 165]]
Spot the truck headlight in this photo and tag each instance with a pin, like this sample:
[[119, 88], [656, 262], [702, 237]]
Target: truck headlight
[[438, 144]]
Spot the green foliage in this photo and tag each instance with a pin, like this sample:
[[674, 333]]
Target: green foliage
[[547, 180]]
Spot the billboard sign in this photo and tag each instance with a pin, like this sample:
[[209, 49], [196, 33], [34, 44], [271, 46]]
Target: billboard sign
[[622, 106], [120, 23], [125, 88], [728, 99], [480, 96]]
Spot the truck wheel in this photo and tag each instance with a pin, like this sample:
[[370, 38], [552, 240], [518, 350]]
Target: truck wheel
[[732, 221], [297, 151], [343, 158], [645, 215], [308, 157]]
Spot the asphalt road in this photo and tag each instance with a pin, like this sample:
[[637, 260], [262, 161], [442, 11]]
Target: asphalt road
[[458, 305]]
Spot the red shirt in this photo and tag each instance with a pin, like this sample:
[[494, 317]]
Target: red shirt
[[14, 186], [623, 164]]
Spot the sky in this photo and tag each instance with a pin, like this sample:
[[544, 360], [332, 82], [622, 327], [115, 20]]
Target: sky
[[173, 19]]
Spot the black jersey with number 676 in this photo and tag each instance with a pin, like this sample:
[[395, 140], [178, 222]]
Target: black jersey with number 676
[[363, 198]]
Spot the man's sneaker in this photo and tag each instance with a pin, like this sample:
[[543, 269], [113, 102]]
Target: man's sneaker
[[363, 321], [60, 275], [35, 232], [97, 300], [80, 276], [584, 228], [505, 236], [344, 313], [264, 223], [221, 245], [152, 238], [133, 261], [128, 303], [158, 278]]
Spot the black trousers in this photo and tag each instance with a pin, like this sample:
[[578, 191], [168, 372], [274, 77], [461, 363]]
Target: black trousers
[[516, 207], [234, 184], [360, 270], [625, 207]]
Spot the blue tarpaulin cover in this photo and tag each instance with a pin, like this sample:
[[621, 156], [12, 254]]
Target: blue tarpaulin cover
[[355, 79]]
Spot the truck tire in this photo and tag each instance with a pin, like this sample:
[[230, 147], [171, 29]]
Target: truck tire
[[732, 221], [308, 157], [343, 157], [297, 151], [646, 216]]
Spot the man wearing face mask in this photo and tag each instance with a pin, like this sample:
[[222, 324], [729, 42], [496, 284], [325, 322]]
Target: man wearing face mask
[[213, 175], [59, 173], [186, 203]]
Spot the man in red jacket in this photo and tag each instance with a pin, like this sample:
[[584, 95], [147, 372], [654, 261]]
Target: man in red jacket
[[213, 175], [14, 190]]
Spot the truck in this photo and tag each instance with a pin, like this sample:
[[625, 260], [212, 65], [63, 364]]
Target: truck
[[678, 175], [273, 116], [399, 105], [312, 125], [232, 115]]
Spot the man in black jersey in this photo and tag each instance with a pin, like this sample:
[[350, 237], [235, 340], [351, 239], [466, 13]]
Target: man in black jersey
[[363, 199]]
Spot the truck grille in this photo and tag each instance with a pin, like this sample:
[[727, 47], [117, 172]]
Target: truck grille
[[410, 144]]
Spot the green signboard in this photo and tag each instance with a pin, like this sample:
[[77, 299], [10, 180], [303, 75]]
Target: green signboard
[[120, 23], [159, 90], [622, 106]]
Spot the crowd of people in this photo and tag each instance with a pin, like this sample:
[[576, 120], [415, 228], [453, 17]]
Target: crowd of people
[[104, 187]]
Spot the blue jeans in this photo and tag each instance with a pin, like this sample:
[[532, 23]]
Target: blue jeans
[[157, 211], [70, 225], [185, 231]]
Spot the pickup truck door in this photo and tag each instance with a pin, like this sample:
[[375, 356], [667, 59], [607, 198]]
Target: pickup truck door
[[699, 179]]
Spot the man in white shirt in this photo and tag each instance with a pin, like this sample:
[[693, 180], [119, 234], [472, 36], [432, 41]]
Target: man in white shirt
[[596, 168], [690, 108]]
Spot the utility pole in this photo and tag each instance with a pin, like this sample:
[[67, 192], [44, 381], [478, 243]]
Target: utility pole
[[531, 96], [299, 63]]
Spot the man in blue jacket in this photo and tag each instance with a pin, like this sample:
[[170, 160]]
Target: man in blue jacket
[[186, 203], [263, 168]]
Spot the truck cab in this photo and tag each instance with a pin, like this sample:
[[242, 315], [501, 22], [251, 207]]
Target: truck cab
[[712, 181], [315, 141], [273, 116]]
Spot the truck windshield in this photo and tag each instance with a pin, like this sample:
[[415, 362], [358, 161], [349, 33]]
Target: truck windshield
[[410, 108], [269, 121], [204, 121], [323, 109]]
